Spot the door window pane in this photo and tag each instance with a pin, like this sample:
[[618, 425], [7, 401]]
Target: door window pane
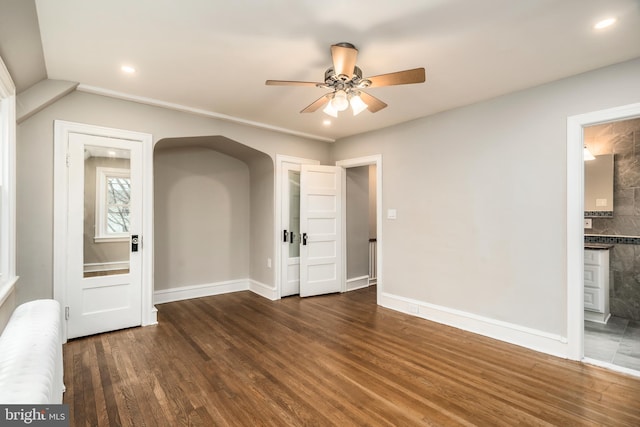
[[294, 213], [107, 197]]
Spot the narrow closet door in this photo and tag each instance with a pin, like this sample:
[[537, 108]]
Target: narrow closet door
[[321, 260]]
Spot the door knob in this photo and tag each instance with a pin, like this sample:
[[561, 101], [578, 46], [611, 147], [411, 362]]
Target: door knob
[[304, 239]]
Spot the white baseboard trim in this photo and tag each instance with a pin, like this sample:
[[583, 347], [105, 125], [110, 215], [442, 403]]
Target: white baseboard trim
[[153, 320], [597, 317], [198, 291], [555, 345], [357, 283], [265, 291]]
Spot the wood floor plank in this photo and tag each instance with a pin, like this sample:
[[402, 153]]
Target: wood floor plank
[[241, 360]]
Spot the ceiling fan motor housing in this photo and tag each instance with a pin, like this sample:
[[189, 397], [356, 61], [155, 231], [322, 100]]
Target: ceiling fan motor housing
[[331, 80]]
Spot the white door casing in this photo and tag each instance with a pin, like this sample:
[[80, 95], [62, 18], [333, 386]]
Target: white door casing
[[376, 160], [575, 218], [67, 135], [321, 259]]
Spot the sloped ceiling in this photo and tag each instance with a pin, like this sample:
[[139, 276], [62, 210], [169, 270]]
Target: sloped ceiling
[[20, 45], [216, 55]]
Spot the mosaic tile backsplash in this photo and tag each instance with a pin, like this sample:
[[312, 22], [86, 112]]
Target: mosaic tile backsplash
[[623, 229]]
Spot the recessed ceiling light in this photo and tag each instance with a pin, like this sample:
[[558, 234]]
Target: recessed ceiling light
[[605, 23], [128, 69], [326, 122]]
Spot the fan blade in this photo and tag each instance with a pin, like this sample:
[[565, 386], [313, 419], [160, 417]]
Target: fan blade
[[344, 59], [316, 104], [291, 83], [405, 77], [373, 103]]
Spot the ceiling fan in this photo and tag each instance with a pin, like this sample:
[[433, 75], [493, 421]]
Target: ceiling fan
[[346, 82]]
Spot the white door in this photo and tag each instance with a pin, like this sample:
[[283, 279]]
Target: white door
[[321, 227], [103, 244], [290, 238]]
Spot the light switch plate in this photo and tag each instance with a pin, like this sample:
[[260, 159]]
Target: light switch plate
[[391, 214], [587, 223]]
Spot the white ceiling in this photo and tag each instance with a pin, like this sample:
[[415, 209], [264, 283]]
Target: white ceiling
[[215, 55]]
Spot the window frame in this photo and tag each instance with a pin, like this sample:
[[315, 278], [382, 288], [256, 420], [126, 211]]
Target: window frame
[[102, 233], [8, 276]]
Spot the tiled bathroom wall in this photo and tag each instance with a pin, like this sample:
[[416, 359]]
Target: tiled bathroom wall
[[623, 140]]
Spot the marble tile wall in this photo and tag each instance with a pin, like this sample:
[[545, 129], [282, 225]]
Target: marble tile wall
[[623, 140]]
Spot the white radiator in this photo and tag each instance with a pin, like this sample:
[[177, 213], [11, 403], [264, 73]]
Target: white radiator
[[31, 369]]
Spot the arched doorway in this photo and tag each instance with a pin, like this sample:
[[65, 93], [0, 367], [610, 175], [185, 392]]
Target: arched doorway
[[213, 218]]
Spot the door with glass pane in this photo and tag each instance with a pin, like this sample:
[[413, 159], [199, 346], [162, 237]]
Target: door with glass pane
[[291, 230], [104, 268]]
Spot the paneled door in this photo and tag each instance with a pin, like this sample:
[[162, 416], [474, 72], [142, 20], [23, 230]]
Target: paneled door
[[321, 260], [103, 245]]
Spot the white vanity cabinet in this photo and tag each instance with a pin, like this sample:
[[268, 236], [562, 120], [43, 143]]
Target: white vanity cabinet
[[596, 285]]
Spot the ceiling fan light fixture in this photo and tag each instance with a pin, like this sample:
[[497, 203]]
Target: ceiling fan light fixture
[[329, 110], [340, 101], [357, 104]]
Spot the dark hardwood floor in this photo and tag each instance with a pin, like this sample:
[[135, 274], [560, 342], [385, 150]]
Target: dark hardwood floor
[[241, 360]]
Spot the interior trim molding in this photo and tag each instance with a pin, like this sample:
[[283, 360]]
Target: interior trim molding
[[357, 283], [555, 345], [7, 88], [265, 291], [374, 159], [197, 291], [218, 288], [201, 112]]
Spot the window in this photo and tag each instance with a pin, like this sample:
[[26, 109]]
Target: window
[[113, 197], [7, 183]]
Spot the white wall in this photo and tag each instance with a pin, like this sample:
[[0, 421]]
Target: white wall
[[480, 194], [201, 217], [35, 168]]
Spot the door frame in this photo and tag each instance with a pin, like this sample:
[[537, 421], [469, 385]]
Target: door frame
[[575, 215], [277, 232], [376, 160], [62, 129]]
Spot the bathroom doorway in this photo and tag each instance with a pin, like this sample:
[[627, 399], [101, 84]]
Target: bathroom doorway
[[612, 243]]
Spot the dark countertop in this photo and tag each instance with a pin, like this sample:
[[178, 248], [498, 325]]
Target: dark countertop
[[598, 246]]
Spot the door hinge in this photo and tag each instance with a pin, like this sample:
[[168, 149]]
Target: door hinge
[[68, 160], [66, 313]]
